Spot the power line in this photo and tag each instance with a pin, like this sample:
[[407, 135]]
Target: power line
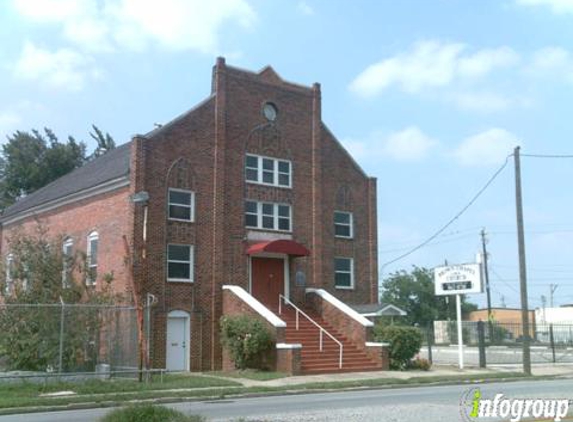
[[547, 155], [452, 220], [455, 239]]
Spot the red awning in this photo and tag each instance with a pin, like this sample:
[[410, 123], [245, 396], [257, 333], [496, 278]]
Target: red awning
[[288, 247]]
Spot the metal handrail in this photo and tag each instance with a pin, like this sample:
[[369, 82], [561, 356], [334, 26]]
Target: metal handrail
[[322, 330]]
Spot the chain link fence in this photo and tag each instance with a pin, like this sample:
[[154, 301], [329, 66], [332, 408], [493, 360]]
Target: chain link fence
[[63, 339], [494, 343]]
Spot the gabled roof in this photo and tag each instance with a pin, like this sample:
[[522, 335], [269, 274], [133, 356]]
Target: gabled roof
[[110, 166]]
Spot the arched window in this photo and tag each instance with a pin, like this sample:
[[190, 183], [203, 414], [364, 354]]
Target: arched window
[[9, 274], [67, 257], [92, 260]]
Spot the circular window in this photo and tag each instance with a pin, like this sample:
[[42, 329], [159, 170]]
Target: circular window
[[270, 111]]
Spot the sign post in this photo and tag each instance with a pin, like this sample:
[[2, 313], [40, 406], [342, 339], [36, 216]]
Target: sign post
[[458, 280], [460, 331]]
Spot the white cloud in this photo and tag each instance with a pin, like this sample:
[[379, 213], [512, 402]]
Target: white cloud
[[136, 24], [304, 8], [486, 60], [487, 148], [557, 6], [410, 144], [430, 64], [52, 10], [63, 68]]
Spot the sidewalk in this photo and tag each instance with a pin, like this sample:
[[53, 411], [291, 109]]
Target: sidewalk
[[436, 371]]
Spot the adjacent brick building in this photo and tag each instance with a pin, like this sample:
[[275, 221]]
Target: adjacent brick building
[[248, 188]]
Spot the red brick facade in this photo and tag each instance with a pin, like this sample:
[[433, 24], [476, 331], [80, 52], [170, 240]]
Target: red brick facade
[[204, 151]]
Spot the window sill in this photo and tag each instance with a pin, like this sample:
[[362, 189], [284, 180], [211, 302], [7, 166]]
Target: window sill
[[180, 280], [344, 287], [268, 185], [344, 237], [260, 229], [180, 220]]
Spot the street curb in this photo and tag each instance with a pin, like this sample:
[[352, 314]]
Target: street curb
[[294, 391]]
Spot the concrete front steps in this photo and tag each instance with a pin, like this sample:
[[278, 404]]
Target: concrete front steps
[[314, 361]]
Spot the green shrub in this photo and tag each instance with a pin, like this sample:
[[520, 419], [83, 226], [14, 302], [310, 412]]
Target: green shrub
[[247, 340], [149, 413], [405, 343]]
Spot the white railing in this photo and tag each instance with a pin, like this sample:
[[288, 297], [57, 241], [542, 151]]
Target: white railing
[[321, 330]]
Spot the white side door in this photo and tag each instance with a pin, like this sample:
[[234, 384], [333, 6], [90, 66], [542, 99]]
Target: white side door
[[177, 343]]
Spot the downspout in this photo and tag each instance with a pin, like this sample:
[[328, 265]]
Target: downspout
[[218, 181]]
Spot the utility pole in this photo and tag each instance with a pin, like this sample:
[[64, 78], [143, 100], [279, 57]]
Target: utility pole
[[552, 288], [543, 306], [486, 273], [522, 265], [486, 277]]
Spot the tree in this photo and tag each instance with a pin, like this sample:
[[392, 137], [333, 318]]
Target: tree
[[414, 293], [105, 143], [31, 160], [30, 318]]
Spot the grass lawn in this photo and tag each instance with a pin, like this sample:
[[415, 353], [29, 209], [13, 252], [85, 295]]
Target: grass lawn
[[251, 374], [28, 394]]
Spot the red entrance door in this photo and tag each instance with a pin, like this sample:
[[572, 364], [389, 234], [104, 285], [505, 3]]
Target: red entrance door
[[268, 281]]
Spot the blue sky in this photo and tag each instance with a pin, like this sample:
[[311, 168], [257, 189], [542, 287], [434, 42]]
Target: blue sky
[[429, 96]]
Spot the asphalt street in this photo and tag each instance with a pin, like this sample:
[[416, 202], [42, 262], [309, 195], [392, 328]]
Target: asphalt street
[[439, 403]]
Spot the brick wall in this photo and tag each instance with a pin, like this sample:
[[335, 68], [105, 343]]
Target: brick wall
[[204, 150], [283, 359], [107, 214]]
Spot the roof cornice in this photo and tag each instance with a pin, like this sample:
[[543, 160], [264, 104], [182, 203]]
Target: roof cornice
[[100, 189]]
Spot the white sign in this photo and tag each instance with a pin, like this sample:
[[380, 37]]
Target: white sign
[[458, 279]]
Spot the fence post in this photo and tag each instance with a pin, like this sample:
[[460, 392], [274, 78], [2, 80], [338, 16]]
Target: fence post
[[62, 318], [552, 340], [429, 341], [481, 344]]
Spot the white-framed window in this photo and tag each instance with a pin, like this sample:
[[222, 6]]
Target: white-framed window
[[268, 216], [92, 258], [268, 171], [180, 263], [343, 224], [9, 288], [67, 256], [181, 205], [344, 273]]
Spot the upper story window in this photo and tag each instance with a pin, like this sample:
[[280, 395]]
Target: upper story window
[[181, 204], [344, 273], [343, 224], [92, 261], [180, 263], [268, 216], [268, 171], [67, 256]]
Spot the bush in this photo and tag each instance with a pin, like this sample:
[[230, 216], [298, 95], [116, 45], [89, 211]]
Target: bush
[[30, 334], [419, 364], [149, 413], [247, 340], [405, 343]]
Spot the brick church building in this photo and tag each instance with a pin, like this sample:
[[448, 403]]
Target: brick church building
[[241, 202]]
